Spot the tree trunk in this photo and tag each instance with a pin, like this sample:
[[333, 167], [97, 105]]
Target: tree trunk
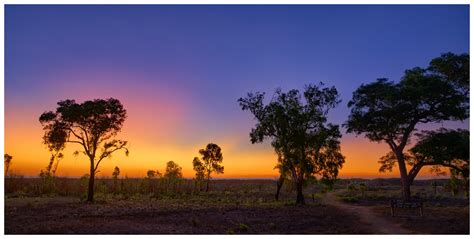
[[207, 185], [299, 191], [280, 182], [90, 191], [403, 176]]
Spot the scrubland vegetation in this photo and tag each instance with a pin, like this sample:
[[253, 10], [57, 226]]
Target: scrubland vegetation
[[152, 205]]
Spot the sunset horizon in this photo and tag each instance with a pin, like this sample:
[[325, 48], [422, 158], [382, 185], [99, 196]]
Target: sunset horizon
[[174, 105], [236, 119]]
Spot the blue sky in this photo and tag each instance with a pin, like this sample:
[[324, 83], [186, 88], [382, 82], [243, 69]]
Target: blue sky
[[203, 58]]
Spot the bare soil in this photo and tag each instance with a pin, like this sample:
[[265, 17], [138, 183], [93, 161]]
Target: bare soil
[[378, 223], [70, 216]]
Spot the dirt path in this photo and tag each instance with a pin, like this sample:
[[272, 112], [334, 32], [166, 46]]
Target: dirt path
[[378, 224]]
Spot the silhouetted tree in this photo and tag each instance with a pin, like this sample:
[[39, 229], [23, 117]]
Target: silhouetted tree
[[389, 112], [285, 173], [116, 173], [173, 171], [7, 162], [50, 170], [150, 174], [305, 143], [48, 175], [211, 158], [91, 125], [199, 168], [153, 174]]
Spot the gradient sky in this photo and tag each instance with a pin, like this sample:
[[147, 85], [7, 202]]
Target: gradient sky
[[179, 71]]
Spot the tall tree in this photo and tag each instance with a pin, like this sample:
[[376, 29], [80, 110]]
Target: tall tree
[[210, 162], [305, 143], [92, 125], [389, 112], [7, 162]]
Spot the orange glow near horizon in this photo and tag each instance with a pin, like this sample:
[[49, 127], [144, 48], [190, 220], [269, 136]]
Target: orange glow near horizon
[[23, 142], [179, 72], [160, 127]]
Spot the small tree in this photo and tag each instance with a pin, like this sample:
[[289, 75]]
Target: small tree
[[115, 175], [389, 112], [150, 174], [91, 125], [173, 171], [305, 143], [52, 167], [199, 168], [211, 158], [7, 162]]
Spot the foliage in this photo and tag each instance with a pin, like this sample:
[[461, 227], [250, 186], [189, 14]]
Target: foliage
[[200, 171], [116, 173], [152, 174], [448, 148], [443, 147], [210, 162], [300, 135], [384, 111], [7, 162], [52, 167], [173, 171], [91, 124]]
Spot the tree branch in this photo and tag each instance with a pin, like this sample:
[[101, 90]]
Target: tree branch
[[74, 141], [392, 145], [407, 133], [107, 153], [86, 148]]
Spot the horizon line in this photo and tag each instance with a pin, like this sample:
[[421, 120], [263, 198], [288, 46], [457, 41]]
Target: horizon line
[[232, 178]]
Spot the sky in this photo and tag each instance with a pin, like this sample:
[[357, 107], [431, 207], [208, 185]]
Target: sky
[[179, 70]]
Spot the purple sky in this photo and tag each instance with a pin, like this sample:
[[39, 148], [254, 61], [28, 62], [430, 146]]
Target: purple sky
[[188, 65]]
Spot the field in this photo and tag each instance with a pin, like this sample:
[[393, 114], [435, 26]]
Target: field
[[153, 206]]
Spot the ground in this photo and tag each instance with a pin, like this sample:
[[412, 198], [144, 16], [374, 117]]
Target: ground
[[240, 207], [68, 215]]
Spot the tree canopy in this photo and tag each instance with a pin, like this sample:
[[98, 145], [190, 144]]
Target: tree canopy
[[303, 140], [173, 171], [7, 162]]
